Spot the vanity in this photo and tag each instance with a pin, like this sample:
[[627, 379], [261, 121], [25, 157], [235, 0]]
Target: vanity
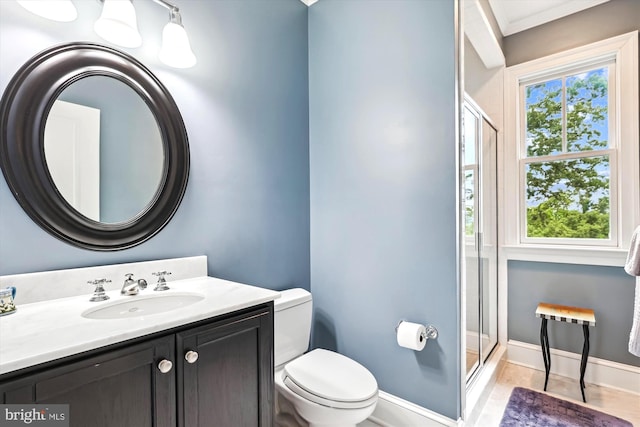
[[198, 354]]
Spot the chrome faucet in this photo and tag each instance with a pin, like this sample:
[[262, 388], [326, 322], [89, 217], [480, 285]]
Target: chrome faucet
[[99, 293], [162, 282], [132, 287]]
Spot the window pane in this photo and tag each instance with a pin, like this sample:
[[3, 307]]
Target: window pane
[[587, 110], [569, 199], [543, 106], [469, 210]]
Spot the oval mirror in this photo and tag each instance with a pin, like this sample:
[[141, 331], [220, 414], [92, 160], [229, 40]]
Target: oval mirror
[[93, 146]]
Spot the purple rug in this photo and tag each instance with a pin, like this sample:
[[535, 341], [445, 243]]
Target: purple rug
[[528, 408]]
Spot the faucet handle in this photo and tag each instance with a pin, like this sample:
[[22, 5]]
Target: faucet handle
[[160, 274], [98, 293], [162, 282], [99, 282]]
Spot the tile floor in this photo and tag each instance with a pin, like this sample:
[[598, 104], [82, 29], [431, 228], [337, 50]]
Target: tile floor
[[604, 399]]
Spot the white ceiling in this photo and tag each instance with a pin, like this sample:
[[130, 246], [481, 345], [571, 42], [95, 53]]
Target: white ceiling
[[514, 16]]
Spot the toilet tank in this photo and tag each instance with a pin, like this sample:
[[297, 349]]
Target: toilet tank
[[292, 324]]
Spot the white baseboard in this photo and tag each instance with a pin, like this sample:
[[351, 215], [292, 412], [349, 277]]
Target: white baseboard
[[599, 371], [392, 411]]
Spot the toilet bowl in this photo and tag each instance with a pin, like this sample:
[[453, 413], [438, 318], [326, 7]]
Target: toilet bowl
[[325, 388]]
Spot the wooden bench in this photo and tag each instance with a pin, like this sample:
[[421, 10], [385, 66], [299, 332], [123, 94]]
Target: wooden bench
[[563, 313]]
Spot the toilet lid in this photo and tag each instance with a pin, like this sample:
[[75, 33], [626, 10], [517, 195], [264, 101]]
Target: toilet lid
[[331, 379]]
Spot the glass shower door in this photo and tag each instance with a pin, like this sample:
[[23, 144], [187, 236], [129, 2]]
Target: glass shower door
[[480, 243], [489, 240], [471, 223]]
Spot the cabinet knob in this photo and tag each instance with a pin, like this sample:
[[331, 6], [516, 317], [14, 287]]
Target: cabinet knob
[[165, 366], [191, 356]]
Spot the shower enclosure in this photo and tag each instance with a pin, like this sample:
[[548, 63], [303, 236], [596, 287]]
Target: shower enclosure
[[480, 249]]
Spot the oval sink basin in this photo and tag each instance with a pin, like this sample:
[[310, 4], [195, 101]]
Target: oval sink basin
[[137, 306]]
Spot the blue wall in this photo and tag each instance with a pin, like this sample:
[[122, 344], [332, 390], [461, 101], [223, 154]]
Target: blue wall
[[245, 106], [383, 190], [609, 291]]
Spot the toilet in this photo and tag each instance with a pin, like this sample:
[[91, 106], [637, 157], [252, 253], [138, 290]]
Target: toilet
[[323, 387]]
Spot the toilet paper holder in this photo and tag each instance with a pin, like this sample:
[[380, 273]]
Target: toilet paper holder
[[431, 331]]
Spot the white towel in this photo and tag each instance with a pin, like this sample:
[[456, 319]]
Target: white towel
[[632, 265], [634, 336]]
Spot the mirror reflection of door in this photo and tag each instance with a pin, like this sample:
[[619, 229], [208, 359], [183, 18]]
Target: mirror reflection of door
[[72, 151]]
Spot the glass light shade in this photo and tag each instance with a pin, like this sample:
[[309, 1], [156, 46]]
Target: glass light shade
[[56, 10], [176, 49], [117, 23]]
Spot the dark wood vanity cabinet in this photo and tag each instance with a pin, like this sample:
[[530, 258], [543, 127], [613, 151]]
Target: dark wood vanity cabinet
[[229, 384], [119, 388]]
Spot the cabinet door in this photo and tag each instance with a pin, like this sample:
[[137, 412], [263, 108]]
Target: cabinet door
[[231, 382], [115, 389]]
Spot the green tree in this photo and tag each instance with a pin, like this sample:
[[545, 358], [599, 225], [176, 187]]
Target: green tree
[[568, 198], [469, 211]]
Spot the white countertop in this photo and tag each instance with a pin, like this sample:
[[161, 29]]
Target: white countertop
[[49, 330]]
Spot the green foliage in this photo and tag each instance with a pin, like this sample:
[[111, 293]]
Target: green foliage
[[546, 221], [568, 198], [469, 212], [469, 220], [544, 120]]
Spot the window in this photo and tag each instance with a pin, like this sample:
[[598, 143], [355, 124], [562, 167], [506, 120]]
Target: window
[[571, 152], [566, 158]]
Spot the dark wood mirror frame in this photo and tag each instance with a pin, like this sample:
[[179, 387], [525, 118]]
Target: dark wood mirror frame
[[24, 108]]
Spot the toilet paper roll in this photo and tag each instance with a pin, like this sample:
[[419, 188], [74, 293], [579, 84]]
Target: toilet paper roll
[[411, 335]]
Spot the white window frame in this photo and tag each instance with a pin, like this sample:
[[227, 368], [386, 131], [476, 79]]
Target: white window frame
[[625, 185], [611, 152]]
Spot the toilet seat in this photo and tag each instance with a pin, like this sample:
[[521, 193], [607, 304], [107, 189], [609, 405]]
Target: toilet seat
[[331, 379]]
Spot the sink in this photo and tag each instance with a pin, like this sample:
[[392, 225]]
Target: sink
[[138, 306]]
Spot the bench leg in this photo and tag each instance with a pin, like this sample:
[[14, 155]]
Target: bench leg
[[546, 356], [583, 362]]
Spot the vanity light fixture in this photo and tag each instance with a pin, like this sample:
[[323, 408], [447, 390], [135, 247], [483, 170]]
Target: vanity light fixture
[[117, 23], [56, 10]]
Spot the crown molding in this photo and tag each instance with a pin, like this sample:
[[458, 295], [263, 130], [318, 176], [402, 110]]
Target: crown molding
[[556, 10], [481, 36]]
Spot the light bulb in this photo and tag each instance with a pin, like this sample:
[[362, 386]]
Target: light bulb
[[56, 10], [176, 49], [117, 23]]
